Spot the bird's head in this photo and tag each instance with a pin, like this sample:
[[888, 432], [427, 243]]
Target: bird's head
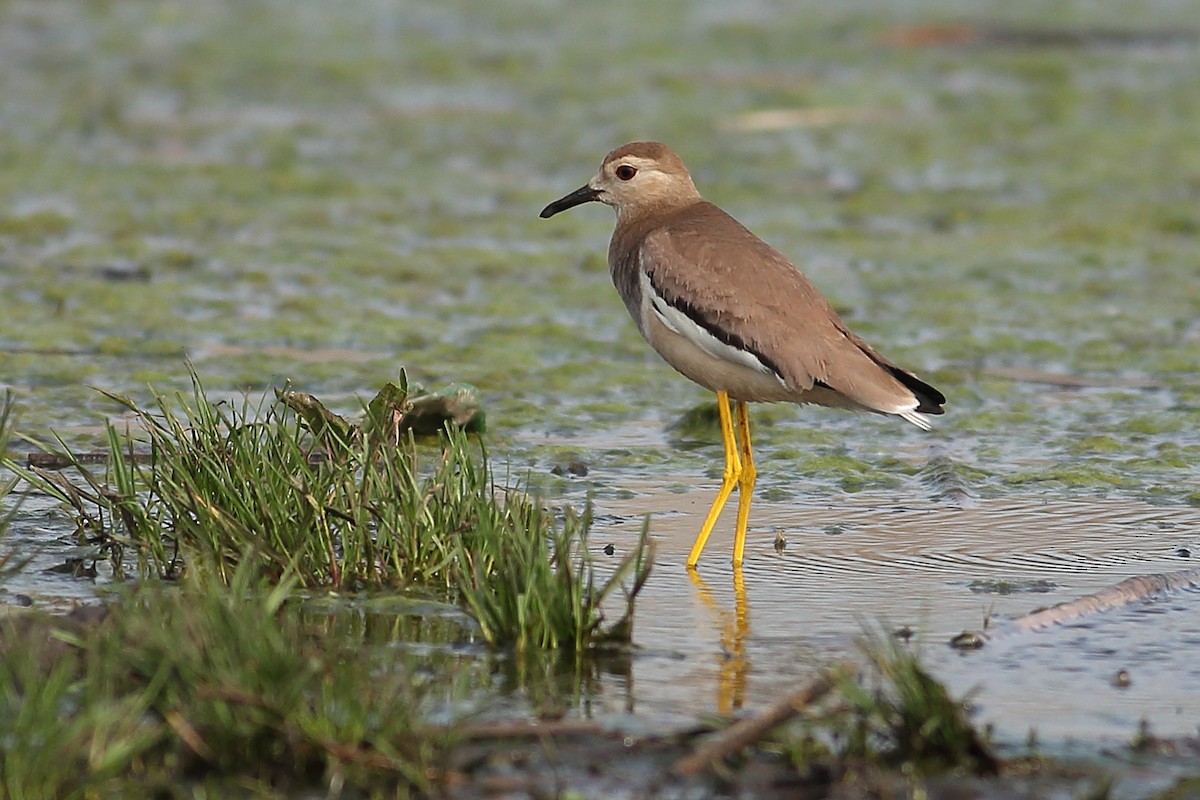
[[634, 179]]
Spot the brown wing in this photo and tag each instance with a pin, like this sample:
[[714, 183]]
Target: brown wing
[[736, 283]]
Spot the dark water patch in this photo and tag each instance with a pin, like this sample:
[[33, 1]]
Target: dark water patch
[[1011, 587]]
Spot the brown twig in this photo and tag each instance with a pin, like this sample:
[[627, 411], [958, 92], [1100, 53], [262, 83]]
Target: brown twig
[[522, 729], [229, 695], [350, 754], [1130, 590], [189, 735], [55, 461], [746, 732]]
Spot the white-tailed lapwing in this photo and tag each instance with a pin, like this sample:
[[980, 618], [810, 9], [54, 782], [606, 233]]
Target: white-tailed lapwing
[[733, 314]]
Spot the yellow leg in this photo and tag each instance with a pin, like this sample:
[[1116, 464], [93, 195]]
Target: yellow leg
[[730, 477], [745, 484]]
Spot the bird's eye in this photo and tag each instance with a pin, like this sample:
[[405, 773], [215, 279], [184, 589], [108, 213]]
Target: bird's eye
[[626, 172]]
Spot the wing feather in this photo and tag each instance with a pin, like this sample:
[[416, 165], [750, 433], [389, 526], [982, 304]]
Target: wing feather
[[732, 282]]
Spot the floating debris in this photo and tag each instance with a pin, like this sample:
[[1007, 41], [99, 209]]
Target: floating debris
[[575, 469], [967, 640], [397, 407]]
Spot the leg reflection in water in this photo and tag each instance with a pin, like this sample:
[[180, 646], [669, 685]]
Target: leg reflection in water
[[731, 680]]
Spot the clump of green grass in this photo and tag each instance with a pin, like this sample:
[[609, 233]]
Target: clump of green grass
[[290, 488], [545, 594], [908, 718], [225, 687], [306, 496]]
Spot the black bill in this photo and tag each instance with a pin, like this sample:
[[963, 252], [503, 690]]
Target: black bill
[[584, 194]]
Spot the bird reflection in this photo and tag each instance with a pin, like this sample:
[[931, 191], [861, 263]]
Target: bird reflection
[[735, 624]]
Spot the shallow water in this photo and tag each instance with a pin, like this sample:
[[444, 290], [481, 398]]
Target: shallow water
[[38, 535], [325, 195], [878, 562]]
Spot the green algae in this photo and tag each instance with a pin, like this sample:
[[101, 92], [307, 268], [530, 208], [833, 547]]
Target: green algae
[[34, 228], [368, 183], [1011, 587]]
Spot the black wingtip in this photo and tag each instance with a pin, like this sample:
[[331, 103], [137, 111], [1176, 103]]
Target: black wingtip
[[929, 398]]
